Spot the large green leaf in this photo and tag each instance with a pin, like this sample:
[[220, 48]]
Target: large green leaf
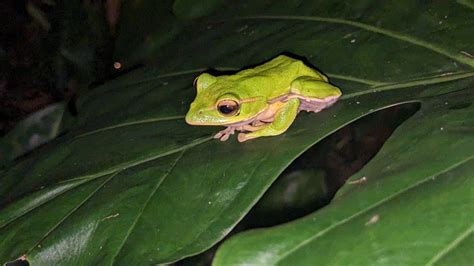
[[132, 183]]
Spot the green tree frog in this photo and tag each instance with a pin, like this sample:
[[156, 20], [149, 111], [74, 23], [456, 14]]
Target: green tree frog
[[262, 101]]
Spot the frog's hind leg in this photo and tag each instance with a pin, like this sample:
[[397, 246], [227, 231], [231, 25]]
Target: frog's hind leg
[[316, 105], [284, 117], [315, 94]]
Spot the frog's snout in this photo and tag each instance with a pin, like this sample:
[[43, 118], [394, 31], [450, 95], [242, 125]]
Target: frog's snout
[[189, 118], [193, 116]]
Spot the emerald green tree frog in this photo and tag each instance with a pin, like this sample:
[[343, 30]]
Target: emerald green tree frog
[[262, 101]]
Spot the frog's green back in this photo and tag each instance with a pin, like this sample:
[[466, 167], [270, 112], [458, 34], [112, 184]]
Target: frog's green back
[[283, 63], [273, 78]]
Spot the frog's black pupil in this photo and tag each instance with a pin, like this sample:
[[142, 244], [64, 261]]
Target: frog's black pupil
[[227, 109]]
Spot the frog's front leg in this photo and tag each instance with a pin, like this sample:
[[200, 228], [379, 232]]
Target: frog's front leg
[[284, 117], [223, 135]]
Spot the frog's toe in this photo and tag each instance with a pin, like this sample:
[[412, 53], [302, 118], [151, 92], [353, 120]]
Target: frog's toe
[[222, 135], [225, 137], [218, 135], [244, 137], [241, 137]]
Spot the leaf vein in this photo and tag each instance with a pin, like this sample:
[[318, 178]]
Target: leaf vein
[[72, 211], [140, 212], [371, 207], [142, 161], [393, 34], [451, 245], [132, 123], [411, 83], [216, 217], [85, 179], [4, 223]]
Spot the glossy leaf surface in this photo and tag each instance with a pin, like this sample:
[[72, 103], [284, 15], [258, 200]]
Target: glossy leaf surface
[[132, 183]]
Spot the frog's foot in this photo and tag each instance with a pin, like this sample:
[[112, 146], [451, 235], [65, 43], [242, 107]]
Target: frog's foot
[[224, 135]]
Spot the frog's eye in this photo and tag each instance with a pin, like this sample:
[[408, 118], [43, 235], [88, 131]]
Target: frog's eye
[[228, 107]]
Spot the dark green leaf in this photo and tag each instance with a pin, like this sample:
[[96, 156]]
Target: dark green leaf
[[131, 183]]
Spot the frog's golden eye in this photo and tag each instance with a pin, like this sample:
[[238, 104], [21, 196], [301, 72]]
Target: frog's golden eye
[[228, 107]]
